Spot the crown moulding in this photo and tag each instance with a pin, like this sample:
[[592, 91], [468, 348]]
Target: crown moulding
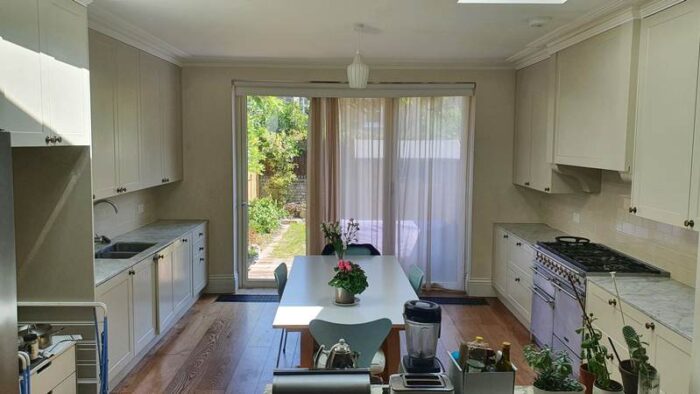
[[609, 16]]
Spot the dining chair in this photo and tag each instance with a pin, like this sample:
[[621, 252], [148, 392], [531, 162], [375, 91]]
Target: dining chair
[[281, 281], [353, 250], [365, 339], [416, 277]]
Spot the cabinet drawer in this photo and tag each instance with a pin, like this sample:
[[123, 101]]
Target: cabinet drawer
[[521, 254], [606, 310], [48, 377], [199, 233], [519, 291], [68, 386]]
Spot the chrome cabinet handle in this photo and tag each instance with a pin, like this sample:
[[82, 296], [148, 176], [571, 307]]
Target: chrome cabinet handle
[[633, 209], [650, 326]]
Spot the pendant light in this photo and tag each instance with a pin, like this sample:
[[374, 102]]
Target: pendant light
[[358, 71]]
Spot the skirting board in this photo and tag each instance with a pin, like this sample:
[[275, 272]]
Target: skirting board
[[221, 284], [480, 288]]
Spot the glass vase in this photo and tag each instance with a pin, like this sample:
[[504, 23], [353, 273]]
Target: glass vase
[[649, 383]]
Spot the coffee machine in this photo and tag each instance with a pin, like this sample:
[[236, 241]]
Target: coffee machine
[[422, 323]]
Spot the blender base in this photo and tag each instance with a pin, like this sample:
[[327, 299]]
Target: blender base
[[409, 365]]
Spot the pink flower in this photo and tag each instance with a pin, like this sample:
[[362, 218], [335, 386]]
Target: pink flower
[[344, 265]]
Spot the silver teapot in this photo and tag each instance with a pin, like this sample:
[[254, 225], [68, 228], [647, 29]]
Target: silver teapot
[[339, 356]]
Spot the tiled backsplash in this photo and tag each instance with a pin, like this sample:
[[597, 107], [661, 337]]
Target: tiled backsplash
[[129, 218], [604, 218]]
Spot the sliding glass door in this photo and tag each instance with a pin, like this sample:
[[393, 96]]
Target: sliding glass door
[[404, 176]]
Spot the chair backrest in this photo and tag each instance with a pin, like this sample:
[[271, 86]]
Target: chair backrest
[[281, 278], [365, 338], [416, 277], [353, 250]]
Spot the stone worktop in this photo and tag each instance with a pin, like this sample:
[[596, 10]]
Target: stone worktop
[[665, 300], [162, 233], [532, 232]]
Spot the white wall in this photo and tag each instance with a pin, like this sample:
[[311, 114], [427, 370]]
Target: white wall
[[207, 189]]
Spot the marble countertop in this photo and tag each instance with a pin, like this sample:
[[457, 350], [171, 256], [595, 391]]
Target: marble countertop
[[667, 301], [161, 233], [532, 232]]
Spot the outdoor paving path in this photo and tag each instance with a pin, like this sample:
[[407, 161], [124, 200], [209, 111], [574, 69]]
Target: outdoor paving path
[[264, 267]]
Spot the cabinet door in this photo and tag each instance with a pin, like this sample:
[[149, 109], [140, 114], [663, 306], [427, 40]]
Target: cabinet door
[[172, 124], [102, 95], [144, 295], [166, 307], [668, 76], [151, 120], [116, 294], [127, 121], [523, 125], [20, 68], [593, 125], [65, 75], [542, 127], [182, 269], [500, 259], [519, 293], [672, 358]]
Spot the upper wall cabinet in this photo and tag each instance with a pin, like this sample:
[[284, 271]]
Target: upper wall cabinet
[[44, 73], [136, 110], [666, 176], [115, 122], [596, 87], [534, 135]]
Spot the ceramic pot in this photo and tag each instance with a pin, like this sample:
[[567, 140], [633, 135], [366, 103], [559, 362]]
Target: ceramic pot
[[586, 378], [615, 388], [343, 296], [629, 378], [535, 390]]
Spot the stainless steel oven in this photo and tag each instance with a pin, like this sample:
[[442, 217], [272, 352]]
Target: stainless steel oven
[[542, 319]]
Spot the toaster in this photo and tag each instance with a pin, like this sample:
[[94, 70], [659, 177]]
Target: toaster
[[420, 383]]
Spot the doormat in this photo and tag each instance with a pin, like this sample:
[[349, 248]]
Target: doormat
[[457, 300], [248, 298]]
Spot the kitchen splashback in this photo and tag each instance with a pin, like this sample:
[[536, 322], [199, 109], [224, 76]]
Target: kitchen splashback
[[129, 217], [603, 217]]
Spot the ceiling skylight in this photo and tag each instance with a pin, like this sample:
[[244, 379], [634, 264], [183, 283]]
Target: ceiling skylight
[[511, 1]]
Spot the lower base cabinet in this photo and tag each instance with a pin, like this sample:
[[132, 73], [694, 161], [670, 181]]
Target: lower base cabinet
[[512, 276], [144, 303], [116, 293]]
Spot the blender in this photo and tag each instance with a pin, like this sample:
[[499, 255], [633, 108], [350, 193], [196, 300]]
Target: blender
[[422, 324]]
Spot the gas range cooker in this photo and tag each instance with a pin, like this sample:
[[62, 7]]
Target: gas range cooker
[[577, 257]]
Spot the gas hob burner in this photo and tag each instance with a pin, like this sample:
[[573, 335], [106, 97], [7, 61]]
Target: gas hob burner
[[591, 257]]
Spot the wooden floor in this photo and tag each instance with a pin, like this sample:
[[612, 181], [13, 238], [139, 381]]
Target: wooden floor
[[225, 347]]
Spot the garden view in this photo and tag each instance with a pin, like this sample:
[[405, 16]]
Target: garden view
[[277, 135]]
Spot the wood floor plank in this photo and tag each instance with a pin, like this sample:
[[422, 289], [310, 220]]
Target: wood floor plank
[[224, 347]]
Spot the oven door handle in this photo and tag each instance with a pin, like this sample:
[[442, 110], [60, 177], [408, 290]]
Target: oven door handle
[[536, 291], [563, 290]]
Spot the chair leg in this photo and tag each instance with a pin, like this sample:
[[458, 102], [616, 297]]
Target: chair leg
[[279, 350]]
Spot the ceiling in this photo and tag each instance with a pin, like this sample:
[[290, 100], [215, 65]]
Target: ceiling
[[321, 31]]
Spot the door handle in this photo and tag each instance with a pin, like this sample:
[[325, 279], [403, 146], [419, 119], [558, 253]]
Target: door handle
[[244, 204]]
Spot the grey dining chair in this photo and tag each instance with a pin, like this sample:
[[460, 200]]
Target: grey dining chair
[[353, 250], [365, 339], [281, 281], [416, 277]]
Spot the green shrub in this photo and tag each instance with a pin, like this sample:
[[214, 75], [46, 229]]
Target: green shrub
[[264, 215]]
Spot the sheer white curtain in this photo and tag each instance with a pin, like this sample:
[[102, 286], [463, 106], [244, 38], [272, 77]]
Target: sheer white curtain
[[403, 175], [431, 187], [361, 163]]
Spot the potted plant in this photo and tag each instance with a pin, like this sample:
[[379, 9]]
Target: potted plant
[[553, 371], [638, 375], [340, 238], [593, 353], [348, 281]]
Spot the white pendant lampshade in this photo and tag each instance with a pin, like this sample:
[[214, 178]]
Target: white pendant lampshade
[[358, 73]]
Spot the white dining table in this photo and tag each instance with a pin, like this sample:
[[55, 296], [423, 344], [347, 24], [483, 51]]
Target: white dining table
[[307, 296]]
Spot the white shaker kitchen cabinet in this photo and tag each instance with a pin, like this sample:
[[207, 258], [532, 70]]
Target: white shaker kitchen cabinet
[[672, 358], [144, 297], [44, 78], [668, 76], [102, 101], [199, 260], [115, 120], [500, 260], [534, 136], [20, 68], [172, 123], [116, 293], [595, 100], [182, 272], [523, 129], [151, 120], [166, 305]]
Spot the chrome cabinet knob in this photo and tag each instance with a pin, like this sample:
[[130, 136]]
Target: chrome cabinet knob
[[689, 223], [650, 326], [633, 209], [612, 302]]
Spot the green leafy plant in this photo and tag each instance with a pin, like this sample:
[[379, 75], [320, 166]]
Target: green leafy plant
[[340, 237], [553, 369], [349, 276], [265, 215]]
